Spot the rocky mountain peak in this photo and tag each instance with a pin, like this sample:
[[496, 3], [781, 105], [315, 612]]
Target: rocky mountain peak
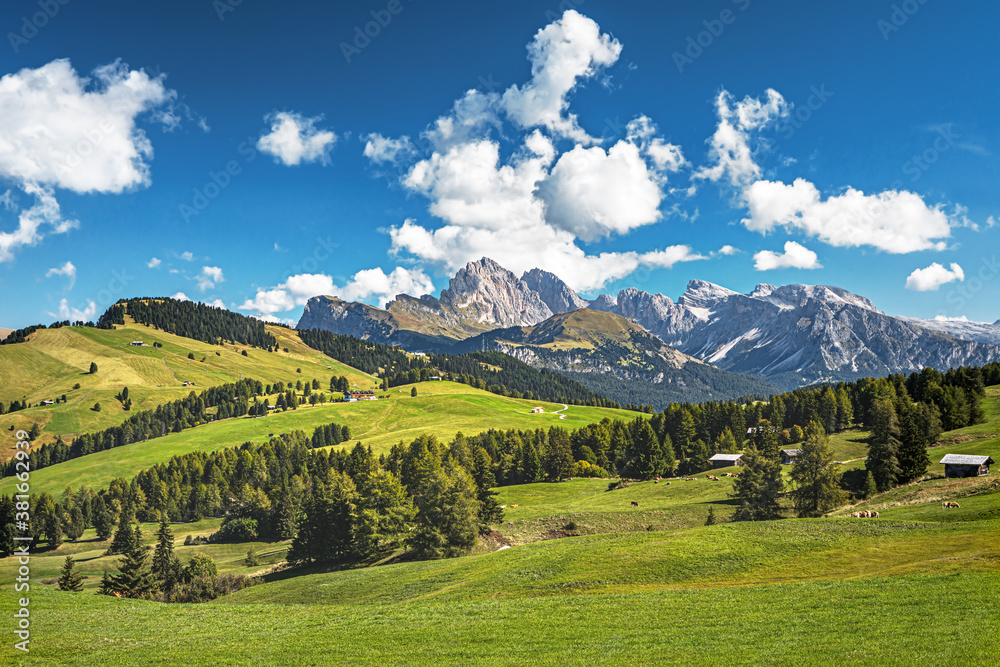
[[556, 294], [703, 295], [605, 303], [762, 290], [495, 294]]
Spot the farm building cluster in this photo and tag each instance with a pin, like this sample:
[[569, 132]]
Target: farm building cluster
[[360, 395]]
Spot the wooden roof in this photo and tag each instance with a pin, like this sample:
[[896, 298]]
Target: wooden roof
[[967, 459]]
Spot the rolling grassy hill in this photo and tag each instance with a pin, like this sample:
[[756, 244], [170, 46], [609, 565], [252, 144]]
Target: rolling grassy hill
[[441, 408], [54, 360], [589, 578]]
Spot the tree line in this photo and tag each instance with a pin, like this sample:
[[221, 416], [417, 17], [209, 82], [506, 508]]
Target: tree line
[[337, 506], [229, 400], [192, 320], [21, 335], [491, 371], [502, 374]]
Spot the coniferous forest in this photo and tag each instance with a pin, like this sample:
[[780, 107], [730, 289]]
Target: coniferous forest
[[191, 320]]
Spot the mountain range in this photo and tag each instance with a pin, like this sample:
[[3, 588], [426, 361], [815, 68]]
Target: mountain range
[[785, 336]]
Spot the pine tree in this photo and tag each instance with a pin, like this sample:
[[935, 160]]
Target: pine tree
[[530, 467], [326, 533], [710, 520], [107, 586], [758, 487], [883, 445], [447, 516], [727, 442], [103, 523], [413, 392], [134, 578], [166, 568], [93, 367], [558, 456], [815, 475], [644, 452], [124, 535], [70, 579]]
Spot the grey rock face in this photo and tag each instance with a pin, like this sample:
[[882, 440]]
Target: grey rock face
[[790, 335], [492, 294], [553, 292], [799, 334]]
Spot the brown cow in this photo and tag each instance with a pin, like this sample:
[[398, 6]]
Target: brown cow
[[874, 514], [635, 503], [948, 503], [855, 515]]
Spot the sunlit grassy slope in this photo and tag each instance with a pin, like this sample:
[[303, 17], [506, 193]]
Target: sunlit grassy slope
[[54, 360], [440, 408]]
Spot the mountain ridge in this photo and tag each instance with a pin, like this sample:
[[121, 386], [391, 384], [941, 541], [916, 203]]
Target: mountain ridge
[[790, 335]]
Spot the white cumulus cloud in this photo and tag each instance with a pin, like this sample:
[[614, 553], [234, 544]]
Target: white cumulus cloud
[[935, 275], [67, 270], [294, 139], [593, 193], [209, 277], [381, 150], [369, 285], [180, 296], [729, 148], [893, 221], [154, 263], [66, 312], [562, 54], [728, 250], [796, 256], [43, 218], [63, 130]]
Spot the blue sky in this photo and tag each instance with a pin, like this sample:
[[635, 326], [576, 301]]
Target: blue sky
[[255, 154]]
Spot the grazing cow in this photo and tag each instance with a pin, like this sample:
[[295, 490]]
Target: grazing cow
[[874, 515], [949, 503], [635, 503], [864, 514], [854, 515]]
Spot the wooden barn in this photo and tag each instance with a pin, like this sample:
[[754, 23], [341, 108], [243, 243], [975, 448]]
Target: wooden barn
[[966, 465], [726, 460], [790, 455]]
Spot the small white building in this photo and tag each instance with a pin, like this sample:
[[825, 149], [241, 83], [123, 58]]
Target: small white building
[[137, 343]]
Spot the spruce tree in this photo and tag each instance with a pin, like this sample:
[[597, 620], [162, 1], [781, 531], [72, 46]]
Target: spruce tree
[[124, 535], [103, 523], [70, 580], [134, 578], [93, 367], [758, 487], [883, 445], [166, 568], [447, 516], [815, 475]]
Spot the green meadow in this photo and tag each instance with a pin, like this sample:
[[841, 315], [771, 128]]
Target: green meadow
[[441, 408], [54, 360], [586, 576]]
